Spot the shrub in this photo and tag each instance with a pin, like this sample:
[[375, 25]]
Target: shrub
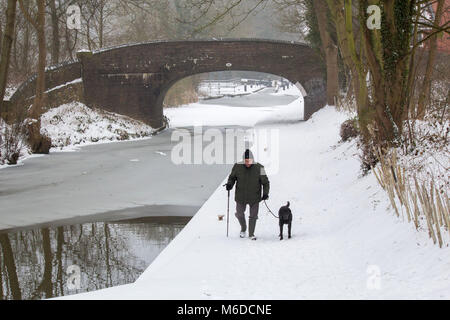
[[38, 142], [418, 199], [11, 142], [349, 130]]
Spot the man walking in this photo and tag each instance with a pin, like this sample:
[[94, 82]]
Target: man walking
[[249, 177]]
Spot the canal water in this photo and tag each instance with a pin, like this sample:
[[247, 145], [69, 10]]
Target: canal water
[[55, 261]]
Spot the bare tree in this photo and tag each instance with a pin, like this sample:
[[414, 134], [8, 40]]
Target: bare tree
[[38, 22], [424, 96], [25, 65], [56, 42], [10, 264], [330, 50], [38, 143], [6, 48]]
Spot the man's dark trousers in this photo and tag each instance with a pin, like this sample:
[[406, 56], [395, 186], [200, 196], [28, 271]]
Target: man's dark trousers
[[240, 209]]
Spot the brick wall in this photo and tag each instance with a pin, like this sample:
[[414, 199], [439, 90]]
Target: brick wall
[[54, 76]]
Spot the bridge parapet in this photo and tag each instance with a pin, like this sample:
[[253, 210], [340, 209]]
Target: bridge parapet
[[54, 76]]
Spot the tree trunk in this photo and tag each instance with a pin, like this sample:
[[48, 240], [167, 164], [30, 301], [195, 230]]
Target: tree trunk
[[424, 97], [88, 37], [346, 43], [1, 34], [413, 64], [330, 50], [55, 33], [6, 48], [11, 269], [25, 66], [40, 81], [13, 60], [100, 29], [59, 262], [47, 285], [1, 282]]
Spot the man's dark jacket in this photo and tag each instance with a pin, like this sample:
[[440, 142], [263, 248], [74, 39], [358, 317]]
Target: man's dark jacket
[[248, 182]]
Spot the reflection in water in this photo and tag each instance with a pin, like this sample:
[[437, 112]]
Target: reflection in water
[[34, 263]]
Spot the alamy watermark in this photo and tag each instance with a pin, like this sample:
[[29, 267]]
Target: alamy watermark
[[73, 277], [215, 146], [374, 280], [374, 20], [73, 17]]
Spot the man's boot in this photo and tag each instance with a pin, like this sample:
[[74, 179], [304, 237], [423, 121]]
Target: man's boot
[[243, 226], [251, 228]]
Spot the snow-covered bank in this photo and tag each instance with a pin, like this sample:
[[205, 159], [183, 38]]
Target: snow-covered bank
[[292, 90], [219, 89], [346, 241], [74, 125], [214, 115], [430, 161]]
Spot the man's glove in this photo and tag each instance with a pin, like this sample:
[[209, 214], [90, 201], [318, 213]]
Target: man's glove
[[265, 197], [229, 186]]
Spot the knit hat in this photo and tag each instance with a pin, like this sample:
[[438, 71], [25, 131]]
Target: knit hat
[[248, 154]]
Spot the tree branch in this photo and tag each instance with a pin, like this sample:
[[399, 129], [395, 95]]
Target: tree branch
[[27, 15]]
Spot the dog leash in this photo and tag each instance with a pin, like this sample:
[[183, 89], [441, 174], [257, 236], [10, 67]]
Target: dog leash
[[270, 210]]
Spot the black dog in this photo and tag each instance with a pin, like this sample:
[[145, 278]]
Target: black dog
[[285, 217]]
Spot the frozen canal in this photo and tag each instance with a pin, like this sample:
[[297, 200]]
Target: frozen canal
[[113, 180]]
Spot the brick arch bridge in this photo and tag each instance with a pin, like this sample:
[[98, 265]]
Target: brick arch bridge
[[134, 79]]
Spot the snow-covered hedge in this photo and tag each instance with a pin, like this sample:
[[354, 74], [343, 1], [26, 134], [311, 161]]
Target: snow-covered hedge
[[12, 144]]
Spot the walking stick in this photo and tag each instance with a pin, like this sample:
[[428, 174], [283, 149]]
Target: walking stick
[[228, 211]]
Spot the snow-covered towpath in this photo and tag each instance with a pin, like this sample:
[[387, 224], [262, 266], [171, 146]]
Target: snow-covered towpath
[[346, 242]]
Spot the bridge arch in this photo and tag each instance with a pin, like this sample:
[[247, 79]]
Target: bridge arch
[[134, 79]]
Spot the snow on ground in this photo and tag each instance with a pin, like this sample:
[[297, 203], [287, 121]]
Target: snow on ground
[[218, 89], [214, 115], [78, 80], [292, 90], [9, 91], [347, 243], [430, 160], [75, 124]]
